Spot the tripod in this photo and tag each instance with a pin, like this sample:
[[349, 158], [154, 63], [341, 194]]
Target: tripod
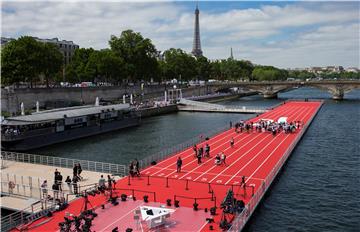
[[86, 203]]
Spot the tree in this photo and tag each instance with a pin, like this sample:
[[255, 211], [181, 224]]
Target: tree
[[178, 64], [138, 54], [269, 73], [21, 61], [76, 71], [203, 68], [51, 62], [106, 66]]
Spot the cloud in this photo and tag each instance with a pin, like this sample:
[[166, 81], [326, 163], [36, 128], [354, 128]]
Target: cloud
[[285, 35]]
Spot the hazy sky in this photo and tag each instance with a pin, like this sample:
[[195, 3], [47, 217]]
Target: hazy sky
[[284, 34]]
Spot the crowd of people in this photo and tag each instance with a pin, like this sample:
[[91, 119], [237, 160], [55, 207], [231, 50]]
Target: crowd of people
[[72, 183], [102, 183], [264, 125], [261, 126]]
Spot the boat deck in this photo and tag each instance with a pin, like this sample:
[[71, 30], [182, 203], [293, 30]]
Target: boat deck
[[256, 155]]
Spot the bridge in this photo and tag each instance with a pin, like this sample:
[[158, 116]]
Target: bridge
[[189, 105], [270, 89]]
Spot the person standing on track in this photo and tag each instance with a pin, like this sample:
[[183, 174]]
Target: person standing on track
[[195, 150], [207, 150], [232, 142], [199, 156], [137, 167], [223, 158], [178, 164]]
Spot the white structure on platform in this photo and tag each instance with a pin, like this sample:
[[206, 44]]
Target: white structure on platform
[[155, 216], [165, 95], [97, 101], [124, 99], [131, 99]]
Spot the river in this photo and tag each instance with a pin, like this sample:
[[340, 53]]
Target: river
[[318, 189]]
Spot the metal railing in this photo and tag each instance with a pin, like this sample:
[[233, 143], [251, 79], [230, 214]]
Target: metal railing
[[36, 210], [241, 219], [94, 166]]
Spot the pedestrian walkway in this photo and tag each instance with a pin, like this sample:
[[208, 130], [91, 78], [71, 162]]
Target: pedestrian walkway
[[28, 178]]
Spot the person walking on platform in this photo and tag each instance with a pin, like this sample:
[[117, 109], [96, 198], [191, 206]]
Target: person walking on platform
[[79, 170], [195, 150], [199, 156], [131, 169], [56, 173], [75, 170], [207, 150], [110, 181], [44, 189], [223, 158], [178, 164], [102, 183], [232, 142], [75, 185], [242, 181], [137, 167], [68, 182], [59, 181]]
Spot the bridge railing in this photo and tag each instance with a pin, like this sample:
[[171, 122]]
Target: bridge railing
[[94, 166]]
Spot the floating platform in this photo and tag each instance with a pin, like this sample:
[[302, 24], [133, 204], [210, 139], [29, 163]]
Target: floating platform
[[257, 156], [197, 106]]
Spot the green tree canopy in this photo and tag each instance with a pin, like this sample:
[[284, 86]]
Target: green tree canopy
[[20, 60], [51, 62], [106, 66], [178, 64], [77, 70], [268, 73], [138, 53]]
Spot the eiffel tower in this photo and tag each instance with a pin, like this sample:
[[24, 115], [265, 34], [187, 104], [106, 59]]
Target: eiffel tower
[[196, 51]]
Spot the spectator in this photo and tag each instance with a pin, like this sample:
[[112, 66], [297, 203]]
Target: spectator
[[44, 188], [79, 170], [55, 189], [75, 185], [178, 164], [137, 168], [110, 181], [102, 183], [68, 182], [59, 181], [75, 170]]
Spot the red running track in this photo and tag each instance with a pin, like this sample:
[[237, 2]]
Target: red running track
[[253, 155]]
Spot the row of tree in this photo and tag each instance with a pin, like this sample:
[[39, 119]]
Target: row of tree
[[131, 58], [27, 60]]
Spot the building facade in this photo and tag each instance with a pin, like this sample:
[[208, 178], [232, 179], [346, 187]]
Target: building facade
[[67, 48]]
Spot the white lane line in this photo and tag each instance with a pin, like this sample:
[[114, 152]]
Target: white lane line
[[234, 162]]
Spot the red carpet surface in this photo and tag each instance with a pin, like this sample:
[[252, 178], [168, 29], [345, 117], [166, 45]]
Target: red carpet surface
[[254, 155]]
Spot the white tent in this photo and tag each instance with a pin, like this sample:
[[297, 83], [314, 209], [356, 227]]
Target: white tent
[[282, 120]]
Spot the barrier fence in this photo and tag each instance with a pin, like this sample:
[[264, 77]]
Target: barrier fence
[[94, 166], [241, 219]]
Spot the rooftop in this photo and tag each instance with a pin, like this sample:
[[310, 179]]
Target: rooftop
[[70, 112]]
